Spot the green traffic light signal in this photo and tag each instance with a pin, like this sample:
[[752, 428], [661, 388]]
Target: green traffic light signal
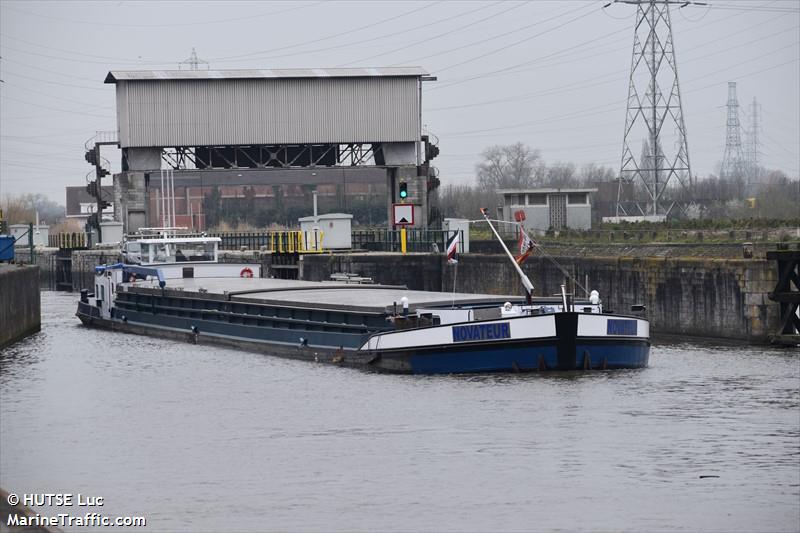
[[403, 190]]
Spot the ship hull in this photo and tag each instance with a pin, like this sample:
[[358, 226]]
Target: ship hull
[[559, 341], [542, 343]]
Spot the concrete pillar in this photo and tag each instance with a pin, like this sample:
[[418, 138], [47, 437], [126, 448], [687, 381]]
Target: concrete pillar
[[130, 200]]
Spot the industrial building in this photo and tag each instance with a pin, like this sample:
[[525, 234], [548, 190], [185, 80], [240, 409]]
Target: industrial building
[[80, 204], [543, 209], [346, 132]]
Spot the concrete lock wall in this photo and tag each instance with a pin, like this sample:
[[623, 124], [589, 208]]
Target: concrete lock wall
[[20, 306], [724, 298], [685, 293]]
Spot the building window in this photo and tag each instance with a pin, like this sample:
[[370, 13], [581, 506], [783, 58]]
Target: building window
[[577, 198], [515, 199], [537, 199]]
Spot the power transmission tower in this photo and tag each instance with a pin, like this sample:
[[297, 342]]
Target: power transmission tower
[[753, 164], [733, 162], [193, 61], [653, 114]]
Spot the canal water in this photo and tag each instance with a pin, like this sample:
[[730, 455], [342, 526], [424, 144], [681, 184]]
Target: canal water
[[198, 438]]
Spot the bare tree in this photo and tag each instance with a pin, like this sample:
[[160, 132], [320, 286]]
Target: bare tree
[[561, 175], [464, 201], [592, 173], [23, 209], [514, 166]]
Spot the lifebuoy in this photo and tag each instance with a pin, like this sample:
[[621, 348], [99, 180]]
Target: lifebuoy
[[246, 273]]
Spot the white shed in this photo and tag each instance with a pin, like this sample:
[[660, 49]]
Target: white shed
[[458, 224], [41, 234], [335, 228]]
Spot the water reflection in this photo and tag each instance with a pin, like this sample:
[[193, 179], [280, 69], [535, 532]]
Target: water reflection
[[177, 432]]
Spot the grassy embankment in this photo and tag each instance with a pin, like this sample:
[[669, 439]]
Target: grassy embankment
[[677, 232]]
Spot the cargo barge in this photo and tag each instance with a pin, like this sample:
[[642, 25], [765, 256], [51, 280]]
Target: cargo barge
[[386, 328]]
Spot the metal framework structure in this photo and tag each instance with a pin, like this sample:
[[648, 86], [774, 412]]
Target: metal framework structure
[[272, 156], [753, 149], [733, 161], [787, 294], [654, 113], [193, 61]]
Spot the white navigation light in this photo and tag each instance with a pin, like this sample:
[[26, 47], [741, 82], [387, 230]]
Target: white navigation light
[[594, 297], [507, 306], [404, 302]]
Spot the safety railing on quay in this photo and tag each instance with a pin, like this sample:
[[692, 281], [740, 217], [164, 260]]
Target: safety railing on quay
[[417, 240], [283, 241], [67, 240]]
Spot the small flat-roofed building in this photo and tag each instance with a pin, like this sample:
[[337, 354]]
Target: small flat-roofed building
[[544, 209]]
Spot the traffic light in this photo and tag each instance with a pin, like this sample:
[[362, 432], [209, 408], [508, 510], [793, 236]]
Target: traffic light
[[104, 204], [403, 190], [91, 157], [91, 188], [101, 172]]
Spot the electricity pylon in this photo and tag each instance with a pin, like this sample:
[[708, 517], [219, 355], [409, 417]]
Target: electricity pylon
[[733, 162], [655, 115], [753, 166], [193, 61]]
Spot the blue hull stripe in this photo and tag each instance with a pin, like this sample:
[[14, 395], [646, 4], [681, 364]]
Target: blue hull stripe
[[504, 359], [614, 355], [490, 360]]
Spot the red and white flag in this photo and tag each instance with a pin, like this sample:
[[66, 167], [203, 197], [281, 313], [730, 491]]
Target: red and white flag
[[452, 248], [526, 246]]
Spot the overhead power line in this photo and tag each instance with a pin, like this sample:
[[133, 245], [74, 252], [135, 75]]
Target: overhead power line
[[99, 87], [382, 36], [611, 107], [99, 24], [513, 69], [525, 39], [48, 95], [351, 31], [555, 56], [592, 81], [427, 40], [75, 52], [764, 9], [60, 110]]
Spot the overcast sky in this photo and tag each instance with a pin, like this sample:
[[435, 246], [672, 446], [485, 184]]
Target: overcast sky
[[550, 74]]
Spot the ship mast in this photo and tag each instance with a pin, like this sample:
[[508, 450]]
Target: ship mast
[[523, 278]]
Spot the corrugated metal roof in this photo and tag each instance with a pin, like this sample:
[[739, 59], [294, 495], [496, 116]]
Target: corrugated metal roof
[[141, 75]]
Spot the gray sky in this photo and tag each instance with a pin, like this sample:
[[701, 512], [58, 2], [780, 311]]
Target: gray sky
[[567, 99]]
